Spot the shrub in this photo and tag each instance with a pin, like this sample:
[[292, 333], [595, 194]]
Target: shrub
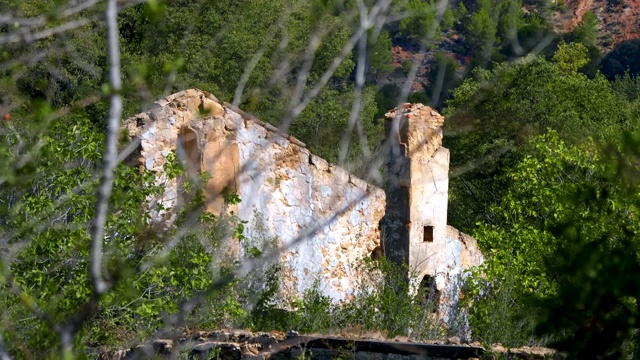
[[384, 302]]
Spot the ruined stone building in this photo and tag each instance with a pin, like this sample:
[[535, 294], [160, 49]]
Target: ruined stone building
[[325, 220]]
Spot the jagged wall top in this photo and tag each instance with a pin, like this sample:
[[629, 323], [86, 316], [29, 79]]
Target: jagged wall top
[[197, 103], [416, 111], [202, 113], [417, 128]]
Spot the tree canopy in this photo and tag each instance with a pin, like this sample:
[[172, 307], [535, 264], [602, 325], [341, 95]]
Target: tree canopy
[[494, 113]]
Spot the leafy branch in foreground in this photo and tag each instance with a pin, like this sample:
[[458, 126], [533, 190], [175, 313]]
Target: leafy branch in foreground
[[564, 244], [51, 270]]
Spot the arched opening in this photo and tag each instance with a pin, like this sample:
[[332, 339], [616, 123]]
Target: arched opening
[[430, 293], [189, 153], [188, 142], [377, 253], [221, 160]]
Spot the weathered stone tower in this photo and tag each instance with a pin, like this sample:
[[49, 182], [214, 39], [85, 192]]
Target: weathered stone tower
[[415, 229], [417, 191]]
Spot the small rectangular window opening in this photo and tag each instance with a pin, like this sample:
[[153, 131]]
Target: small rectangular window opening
[[428, 234]]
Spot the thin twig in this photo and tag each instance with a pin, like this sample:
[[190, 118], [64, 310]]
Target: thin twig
[[69, 330], [356, 107]]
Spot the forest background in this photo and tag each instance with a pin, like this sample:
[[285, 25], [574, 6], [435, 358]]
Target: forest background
[[542, 126]]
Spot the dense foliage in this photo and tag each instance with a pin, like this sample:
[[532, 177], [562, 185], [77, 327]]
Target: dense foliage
[[53, 210], [623, 58], [547, 183], [495, 112]]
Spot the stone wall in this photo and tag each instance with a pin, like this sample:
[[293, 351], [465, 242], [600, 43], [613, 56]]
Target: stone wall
[[325, 219]]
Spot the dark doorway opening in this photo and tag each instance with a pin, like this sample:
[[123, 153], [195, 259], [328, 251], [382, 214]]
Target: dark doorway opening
[[430, 293]]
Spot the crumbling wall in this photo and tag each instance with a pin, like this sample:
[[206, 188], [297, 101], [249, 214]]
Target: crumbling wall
[[324, 219], [327, 217], [450, 260]]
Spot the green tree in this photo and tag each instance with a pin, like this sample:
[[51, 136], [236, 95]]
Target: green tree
[[627, 86], [587, 31], [510, 21], [327, 116], [442, 78], [492, 115], [532, 32], [623, 58], [200, 46], [421, 24], [566, 234], [387, 97], [381, 56], [571, 57], [481, 35]]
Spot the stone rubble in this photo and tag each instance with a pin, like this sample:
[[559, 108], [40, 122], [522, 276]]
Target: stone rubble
[[275, 345]]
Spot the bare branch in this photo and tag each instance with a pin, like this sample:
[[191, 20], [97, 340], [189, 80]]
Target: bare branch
[[110, 159], [69, 330], [39, 223], [7, 19], [29, 37], [357, 100], [237, 97], [313, 93], [72, 10], [377, 14]]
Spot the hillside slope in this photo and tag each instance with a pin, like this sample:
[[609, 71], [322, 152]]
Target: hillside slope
[[618, 20]]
